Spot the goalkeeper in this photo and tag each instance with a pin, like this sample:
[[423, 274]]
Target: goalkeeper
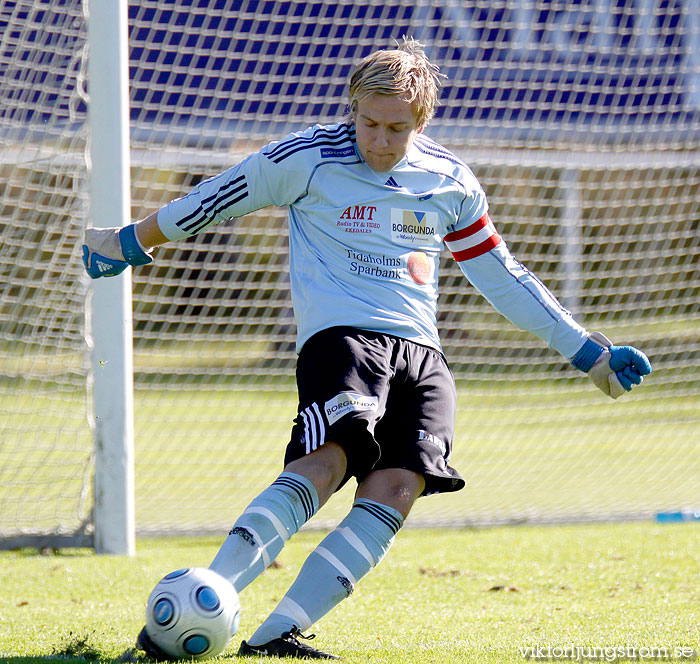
[[371, 203]]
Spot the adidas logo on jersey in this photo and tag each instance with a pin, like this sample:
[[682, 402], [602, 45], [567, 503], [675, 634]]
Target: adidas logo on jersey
[[103, 267]]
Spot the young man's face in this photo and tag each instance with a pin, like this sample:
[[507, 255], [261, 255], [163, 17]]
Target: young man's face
[[386, 127]]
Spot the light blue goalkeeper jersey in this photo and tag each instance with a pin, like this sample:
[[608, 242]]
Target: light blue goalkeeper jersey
[[365, 245]]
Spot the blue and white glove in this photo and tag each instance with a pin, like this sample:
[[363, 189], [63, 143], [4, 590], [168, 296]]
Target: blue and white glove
[[613, 369], [107, 252]]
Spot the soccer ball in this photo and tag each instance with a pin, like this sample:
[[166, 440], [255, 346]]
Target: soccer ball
[[193, 613]]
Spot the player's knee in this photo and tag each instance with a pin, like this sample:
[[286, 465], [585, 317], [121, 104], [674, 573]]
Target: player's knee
[[396, 487], [325, 467]]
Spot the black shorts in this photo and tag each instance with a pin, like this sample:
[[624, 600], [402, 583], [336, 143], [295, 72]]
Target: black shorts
[[389, 402]]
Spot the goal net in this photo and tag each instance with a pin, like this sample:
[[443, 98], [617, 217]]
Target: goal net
[[581, 121], [45, 439]]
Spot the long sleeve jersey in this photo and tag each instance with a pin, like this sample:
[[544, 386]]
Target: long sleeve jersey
[[365, 245]]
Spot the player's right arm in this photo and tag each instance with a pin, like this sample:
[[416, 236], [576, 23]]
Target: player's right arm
[[261, 179]]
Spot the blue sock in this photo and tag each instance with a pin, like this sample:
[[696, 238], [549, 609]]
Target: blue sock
[[331, 571], [262, 530]]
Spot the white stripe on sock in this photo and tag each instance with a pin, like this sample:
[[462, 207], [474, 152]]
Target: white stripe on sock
[[325, 553], [356, 543], [276, 523], [263, 547], [289, 608]]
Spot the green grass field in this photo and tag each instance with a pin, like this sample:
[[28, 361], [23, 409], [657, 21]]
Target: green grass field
[[440, 597]]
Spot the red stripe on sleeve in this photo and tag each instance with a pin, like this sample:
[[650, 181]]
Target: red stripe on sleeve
[[469, 230], [479, 249]]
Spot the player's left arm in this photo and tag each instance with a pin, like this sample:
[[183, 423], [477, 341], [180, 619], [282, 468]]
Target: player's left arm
[[522, 298]]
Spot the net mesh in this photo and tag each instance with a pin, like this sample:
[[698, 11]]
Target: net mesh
[[45, 443], [581, 120]]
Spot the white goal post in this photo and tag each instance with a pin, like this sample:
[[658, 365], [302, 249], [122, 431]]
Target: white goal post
[[109, 313], [168, 409]]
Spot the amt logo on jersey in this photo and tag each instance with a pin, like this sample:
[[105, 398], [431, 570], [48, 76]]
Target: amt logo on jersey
[[359, 212], [358, 219]]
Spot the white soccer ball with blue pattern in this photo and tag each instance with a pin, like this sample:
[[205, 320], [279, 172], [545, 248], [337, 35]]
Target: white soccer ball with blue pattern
[[193, 613]]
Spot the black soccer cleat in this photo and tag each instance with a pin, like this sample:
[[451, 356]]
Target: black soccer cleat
[[288, 645], [144, 643]]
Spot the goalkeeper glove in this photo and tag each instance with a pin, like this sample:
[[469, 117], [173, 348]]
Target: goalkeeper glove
[[613, 369], [107, 252]]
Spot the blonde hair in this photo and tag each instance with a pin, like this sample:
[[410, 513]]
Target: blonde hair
[[405, 72]]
